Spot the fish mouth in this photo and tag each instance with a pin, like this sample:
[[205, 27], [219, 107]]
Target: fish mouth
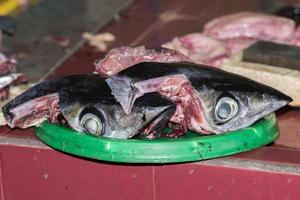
[[155, 128], [282, 100]]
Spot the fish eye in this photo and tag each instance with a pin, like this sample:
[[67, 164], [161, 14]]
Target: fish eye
[[225, 109], [92, 124]]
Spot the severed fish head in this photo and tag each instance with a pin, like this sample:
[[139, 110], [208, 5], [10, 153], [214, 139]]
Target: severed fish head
[[85, 103], [208, 100], [102, 116]]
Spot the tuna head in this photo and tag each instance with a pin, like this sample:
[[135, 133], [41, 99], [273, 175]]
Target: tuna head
[[209, 100], [103, 116], [85, 103], [233, 102]]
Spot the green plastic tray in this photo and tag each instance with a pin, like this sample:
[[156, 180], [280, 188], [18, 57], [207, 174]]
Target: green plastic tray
[[191, 147]]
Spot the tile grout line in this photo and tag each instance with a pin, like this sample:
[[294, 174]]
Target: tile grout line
[[153, 183], [1, 181]]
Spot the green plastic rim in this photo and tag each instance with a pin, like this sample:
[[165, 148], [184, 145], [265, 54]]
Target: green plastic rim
[[191, 147]]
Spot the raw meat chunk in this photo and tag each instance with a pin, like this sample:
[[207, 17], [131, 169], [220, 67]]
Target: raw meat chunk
[[200, 48], [121, 58], [252, 25]]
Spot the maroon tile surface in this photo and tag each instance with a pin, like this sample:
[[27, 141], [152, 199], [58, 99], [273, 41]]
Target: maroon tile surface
[[31, 173], [212, 182]]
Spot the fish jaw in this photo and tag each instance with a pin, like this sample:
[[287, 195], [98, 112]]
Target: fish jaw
[[155, 128]]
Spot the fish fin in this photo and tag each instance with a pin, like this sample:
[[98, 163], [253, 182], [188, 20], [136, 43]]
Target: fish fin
[[155, 128], [123, 90]]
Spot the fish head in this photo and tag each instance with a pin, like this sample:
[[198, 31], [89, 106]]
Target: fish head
[[104, 116], [85, 103], [233, 102], [209, 100]]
